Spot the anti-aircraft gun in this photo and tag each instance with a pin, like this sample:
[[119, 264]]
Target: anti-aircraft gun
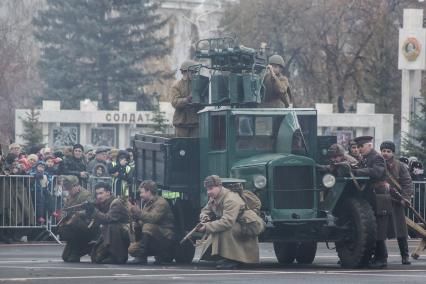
[[236, 73]]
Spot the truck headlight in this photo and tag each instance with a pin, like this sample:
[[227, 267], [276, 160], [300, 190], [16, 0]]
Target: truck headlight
[[259, 181], [328, 180]]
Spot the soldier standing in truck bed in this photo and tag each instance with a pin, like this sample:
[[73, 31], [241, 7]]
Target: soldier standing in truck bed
[[378, 195], [399, 179], [185, 118], [276, 87]]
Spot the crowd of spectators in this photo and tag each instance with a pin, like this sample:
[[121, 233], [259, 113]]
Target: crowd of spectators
[[90, 165]]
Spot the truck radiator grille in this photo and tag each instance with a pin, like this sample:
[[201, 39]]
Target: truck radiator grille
[[293, 187]]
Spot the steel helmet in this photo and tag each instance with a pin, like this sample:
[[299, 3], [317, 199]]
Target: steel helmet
[[276, 59], [186, 64]]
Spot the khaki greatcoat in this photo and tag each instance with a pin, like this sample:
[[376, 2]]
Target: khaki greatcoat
[[275, 91], [224, 234], [185, 115]]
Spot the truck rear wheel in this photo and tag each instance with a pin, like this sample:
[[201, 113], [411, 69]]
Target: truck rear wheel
[[285, 252], [306, 252], [184, 253], [356, 249]]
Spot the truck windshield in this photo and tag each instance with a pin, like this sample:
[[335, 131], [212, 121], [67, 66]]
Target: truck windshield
[[255, 133], [272, 134]]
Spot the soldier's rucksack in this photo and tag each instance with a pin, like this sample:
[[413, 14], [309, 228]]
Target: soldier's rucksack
[[250, 220]]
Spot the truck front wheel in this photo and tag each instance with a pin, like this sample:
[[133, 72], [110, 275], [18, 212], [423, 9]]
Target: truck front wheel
[[285, 252], [306, 252], [356, 248]]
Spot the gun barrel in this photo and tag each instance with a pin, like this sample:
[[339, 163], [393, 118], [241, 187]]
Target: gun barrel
[[187, 236]]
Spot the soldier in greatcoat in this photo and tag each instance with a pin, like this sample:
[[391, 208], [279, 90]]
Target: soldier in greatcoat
[[112, 214], [225, 241], [156, 223], [185, 118], [377, 193], [276, 87], [399, 179]]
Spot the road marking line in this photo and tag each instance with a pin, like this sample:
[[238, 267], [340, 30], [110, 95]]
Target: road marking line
[[209, 274]]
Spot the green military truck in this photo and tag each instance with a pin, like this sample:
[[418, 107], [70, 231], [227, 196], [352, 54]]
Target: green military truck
[[276, 153]]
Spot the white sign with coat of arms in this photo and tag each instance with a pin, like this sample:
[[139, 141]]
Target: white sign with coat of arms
[[412, 48]]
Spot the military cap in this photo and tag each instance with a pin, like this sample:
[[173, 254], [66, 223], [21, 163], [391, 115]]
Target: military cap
[[388, 145], [101, 150], [276, 59], [336, 150], [361, 140], [186, 64], [69, 181], [212, 180], [352, 143]]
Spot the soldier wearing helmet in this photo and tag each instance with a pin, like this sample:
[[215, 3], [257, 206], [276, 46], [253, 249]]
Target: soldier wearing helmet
[[185, 119], [276, 91]]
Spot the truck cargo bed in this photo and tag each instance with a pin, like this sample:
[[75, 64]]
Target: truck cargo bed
[[173, 163]]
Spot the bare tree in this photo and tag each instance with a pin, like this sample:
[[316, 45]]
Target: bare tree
[[332, 48], [19, 83]]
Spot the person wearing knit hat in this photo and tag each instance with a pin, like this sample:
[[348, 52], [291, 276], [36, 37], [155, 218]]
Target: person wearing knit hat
[[226, 242], [78, 146], [398, 178], [76, 164]]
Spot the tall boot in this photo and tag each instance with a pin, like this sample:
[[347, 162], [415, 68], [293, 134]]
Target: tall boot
[[142, 254], [381, 256], [403, 249]]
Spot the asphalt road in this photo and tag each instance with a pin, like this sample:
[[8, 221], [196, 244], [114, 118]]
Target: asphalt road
[[41, 263]]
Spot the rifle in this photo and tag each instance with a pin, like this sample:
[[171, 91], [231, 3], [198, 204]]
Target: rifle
[[189, 235], [407, 202], [80, 205]]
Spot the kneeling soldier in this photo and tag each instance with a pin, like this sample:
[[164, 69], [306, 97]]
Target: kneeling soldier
[[113, 216], [226, 242], [75, 228], [156, 222]]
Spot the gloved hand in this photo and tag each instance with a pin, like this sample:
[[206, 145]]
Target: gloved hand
[[89, 207]]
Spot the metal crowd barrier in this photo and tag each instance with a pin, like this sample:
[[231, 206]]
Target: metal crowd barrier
[[24, 206], [419, 200]]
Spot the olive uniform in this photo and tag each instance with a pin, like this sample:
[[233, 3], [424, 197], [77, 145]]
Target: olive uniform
[[185, 118], [113, 216], [74, 228], [276, 87], [156, 223]]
